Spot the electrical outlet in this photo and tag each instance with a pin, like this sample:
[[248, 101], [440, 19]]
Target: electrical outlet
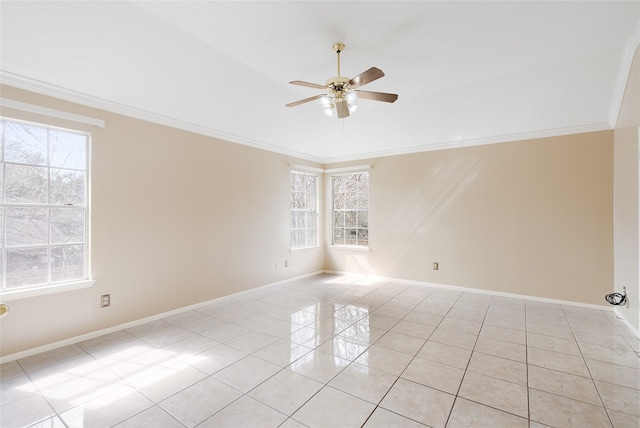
[[286, 263], [105, 300], [435, 265]]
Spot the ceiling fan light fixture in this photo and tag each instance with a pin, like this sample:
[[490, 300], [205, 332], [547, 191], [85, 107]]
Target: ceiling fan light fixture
[[352, 101], [328, 106], [341, 93]]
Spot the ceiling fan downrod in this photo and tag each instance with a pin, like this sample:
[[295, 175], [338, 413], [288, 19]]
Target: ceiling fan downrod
[[338, 47]]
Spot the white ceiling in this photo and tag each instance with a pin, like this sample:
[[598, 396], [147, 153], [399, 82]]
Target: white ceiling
[[466, 72]]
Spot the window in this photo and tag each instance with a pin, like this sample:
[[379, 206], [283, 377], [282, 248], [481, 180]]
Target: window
[[350, 196], [304, 210], [43, 205]]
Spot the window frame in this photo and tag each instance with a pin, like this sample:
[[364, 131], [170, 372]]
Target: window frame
[[348, 172], [50, 286], [315, 211]]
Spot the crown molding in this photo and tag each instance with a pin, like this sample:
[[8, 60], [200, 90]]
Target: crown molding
[[624, 72], [43, 88], [555, 132]]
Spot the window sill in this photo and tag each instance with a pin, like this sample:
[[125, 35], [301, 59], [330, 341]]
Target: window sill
[[295, 250], [350, 247], [46, 289]]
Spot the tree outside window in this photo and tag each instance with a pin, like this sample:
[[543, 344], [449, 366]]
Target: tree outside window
[[350, 197], [43, 205]]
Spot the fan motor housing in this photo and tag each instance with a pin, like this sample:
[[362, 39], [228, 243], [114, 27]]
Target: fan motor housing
[[338, 87], [337, 81]]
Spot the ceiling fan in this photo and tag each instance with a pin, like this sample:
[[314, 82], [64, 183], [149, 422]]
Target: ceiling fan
[[342, 93]]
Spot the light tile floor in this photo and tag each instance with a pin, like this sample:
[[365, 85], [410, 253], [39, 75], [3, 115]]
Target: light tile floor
[[335, 351]]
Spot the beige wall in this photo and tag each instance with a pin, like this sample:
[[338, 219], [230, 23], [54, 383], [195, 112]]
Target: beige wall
[[626, 197], [177, 219], [530, 217], [180, 218]]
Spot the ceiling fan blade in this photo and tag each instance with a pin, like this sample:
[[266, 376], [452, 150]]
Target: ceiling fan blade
[[366, 77], [306, 100], [342, 109], [310, 85], [378, 96]]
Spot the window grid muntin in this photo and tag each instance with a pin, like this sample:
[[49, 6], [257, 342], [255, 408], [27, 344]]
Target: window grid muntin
[[304, 205], [49, 246], [350, 209]]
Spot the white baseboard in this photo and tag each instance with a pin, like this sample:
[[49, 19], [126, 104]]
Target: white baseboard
[[632, 328], [94, 334], [97, 333], [475, 290]]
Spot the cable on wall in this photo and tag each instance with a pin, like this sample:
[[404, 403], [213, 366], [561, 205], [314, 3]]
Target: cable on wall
[[617, 299]]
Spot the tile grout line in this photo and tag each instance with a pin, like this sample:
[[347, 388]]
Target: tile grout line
[[325, 385], [575, 321], [586, 365], [468, 362], [400, 374]]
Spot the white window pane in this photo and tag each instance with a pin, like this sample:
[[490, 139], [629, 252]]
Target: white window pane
[[67, 225], [42, 166], [363, 182], [351, 200], [363, 219], [296, 182], [25, 143], [311, 237], [301, 220], [350, 237], [67, 187], [350, 219], [27, 226], [27, 266], [68, 150], [311, 184], [299, 236], [67, 263], [351, 184], [303, 209], [311, 219], [309, 201], [350, 209], [26, 184], [363, 200]]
